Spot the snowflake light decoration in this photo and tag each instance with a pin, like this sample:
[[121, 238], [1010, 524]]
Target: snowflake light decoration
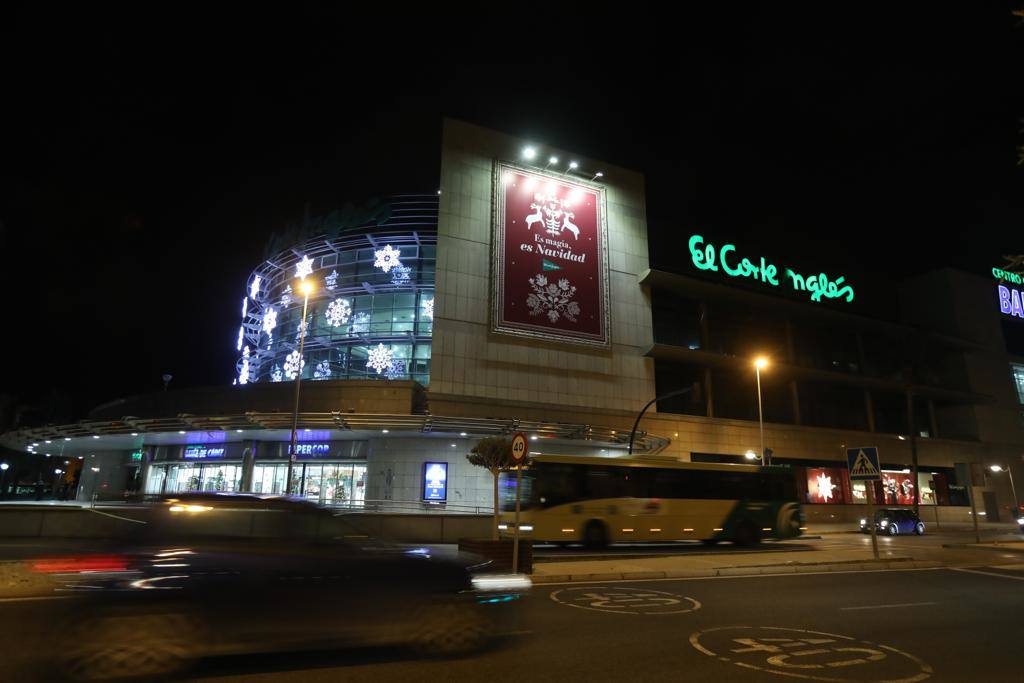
[[293, 365], [286, 298], [428, 308], [241, 333], [304, 267], [825, 487], [270, 321], [332, 279], [322, 370], [396, 370], [386, 258], [275, 374], [300, 327], [338, 312], [245, 305], [254, 288], [552, 299], [360, 324], [379, 358], [400, 275]]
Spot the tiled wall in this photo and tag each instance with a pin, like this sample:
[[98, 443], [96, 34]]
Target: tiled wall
[[469, 361]]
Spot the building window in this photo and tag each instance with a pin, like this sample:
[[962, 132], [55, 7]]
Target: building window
[[1018, 380]]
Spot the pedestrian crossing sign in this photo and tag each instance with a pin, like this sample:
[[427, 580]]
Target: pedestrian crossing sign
[[863, 463]]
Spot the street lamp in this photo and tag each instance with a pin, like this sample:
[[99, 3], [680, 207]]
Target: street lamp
[[306, 287], [3, 480], [759, 363], [1013, 489]]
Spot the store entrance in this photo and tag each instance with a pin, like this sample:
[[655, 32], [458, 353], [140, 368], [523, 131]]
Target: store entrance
[[324, 483]]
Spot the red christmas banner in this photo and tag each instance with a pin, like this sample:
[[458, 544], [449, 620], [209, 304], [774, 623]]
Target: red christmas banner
[[550, 271]]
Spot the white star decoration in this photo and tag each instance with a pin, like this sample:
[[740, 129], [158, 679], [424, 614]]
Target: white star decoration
[[386, 258], [824, 487], [270, 321], [303, 267], [379, 358]]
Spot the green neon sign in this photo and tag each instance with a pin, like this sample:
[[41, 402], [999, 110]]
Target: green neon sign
[[705, 257], [1006, 275]]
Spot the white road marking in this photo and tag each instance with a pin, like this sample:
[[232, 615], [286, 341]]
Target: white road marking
[[35, 598], [976, 571], [904, 604]]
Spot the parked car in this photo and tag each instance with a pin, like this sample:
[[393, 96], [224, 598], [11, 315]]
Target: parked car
[[894, 521], [193, 586]]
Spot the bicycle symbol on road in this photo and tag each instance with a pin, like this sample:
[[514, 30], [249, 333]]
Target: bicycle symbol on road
[[810, 654], [628, 600]]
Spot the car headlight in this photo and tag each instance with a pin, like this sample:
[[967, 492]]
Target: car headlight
[[863, 522], [1020, 520], [489, 583], [502, 527], [526, 527], [884, 523]]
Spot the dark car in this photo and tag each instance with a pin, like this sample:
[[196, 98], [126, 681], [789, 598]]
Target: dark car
[[895, 521], [189, 587]]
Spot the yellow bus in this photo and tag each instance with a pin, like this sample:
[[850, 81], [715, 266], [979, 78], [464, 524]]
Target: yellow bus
[[597, 501]]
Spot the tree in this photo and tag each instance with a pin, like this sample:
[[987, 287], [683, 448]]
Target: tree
[[495, 454]]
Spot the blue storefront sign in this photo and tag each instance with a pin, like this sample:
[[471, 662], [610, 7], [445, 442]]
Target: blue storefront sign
[[311, 450], [435, 481], [204, 452]]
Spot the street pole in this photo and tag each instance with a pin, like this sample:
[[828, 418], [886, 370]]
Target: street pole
[[871, 518], [765, 458], [515, 534], [671, 394], [298, 385], [1013, 489]]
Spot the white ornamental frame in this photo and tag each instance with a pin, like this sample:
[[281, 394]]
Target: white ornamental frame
[[526, 330]]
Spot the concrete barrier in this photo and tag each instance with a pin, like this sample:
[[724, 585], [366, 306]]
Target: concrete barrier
[[68, 522]]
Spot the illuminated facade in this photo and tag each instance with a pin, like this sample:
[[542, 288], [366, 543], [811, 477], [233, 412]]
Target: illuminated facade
[[370, 315]]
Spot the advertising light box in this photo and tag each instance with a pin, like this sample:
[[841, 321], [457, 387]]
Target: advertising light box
[[435, 481], [550, 270]]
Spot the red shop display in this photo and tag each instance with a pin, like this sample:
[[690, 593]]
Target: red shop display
[[827, 485], [550, 270], [897, 488]]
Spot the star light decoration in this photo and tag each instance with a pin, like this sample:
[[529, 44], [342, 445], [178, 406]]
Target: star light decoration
[[301, 326], [338, 312], [293, 365], [322, 370], [379, 358], [825, 487], [360, 324], [304, 267], [332, 279], [400, 275], [427, 305], [386, 258], [254, 288], [396, 370], [270, 321]]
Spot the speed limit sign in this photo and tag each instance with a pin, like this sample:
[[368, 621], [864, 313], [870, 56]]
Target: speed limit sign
[[518, 447]]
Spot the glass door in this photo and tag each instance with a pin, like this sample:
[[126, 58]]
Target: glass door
[[221, 477], [183, 478], [269, 478]]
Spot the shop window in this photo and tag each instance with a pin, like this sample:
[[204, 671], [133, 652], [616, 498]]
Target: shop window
[[827, 485], [1018, 380]]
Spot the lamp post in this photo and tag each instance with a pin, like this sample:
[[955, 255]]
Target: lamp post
[[1013, 489], [761, 362], [306, 288], [3, 480], [678, 392]]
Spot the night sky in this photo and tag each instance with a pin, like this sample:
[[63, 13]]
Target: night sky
[[146, 158]]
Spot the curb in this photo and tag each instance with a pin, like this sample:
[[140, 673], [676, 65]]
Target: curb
[[764, 570], [1015, 548]]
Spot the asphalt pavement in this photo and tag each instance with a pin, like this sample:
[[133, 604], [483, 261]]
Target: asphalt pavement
[[916, 625]]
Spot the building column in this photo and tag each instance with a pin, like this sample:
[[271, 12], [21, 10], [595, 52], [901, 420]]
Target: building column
[[248, 463], [705, 341]]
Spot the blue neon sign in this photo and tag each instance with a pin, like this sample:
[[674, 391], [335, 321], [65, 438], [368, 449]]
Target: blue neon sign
[[204, 452]]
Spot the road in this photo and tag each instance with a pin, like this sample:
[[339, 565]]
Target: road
[[935, 625]]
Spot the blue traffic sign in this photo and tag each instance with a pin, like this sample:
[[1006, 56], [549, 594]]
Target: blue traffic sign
[[863, 464]]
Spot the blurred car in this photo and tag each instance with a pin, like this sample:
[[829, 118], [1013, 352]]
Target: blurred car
[[186, 589], [894, 521]]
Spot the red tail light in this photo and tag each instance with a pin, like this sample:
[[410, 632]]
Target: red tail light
[[88, 563]]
